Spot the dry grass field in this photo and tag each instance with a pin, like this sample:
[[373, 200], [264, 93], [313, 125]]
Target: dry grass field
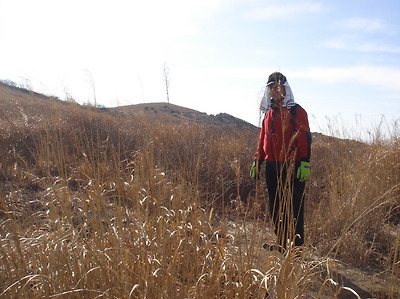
[[109, 204]]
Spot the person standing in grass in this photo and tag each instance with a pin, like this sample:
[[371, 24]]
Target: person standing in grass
[[285, 145]]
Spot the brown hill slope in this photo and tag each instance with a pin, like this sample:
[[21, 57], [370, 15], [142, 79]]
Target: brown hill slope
[[22, 107], [179, 114], [85, 162], [20, 104]]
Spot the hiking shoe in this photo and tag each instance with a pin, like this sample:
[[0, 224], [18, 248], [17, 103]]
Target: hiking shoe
[[273, 247]]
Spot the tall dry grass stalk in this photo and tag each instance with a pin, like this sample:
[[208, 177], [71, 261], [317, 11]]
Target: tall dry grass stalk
[[355, 197], [125, 208]]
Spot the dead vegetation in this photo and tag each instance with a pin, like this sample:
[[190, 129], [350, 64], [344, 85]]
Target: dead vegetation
[[100, 205]]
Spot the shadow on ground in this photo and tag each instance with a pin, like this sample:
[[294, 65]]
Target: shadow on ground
[[344, 282]]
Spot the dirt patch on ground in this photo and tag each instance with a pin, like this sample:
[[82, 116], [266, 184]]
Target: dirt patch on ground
[[330, 277]]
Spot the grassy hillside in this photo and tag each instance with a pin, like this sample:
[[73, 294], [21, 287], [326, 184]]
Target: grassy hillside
[[177, 115], [100, 203]]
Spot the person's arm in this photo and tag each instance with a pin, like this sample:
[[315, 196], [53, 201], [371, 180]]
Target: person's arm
[[304, 138], [304, 144], [260, 154]]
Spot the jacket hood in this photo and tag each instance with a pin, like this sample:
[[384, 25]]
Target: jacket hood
[[288, 101]]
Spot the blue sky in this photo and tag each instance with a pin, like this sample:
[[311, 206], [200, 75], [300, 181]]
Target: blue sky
[[341, 58]]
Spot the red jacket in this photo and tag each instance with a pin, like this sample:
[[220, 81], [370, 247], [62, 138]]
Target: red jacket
[[285, 136]]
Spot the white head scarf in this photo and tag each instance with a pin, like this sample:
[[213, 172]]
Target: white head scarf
[[288, 101]]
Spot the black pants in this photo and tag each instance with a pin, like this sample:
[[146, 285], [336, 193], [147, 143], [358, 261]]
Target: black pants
[[286, 203]]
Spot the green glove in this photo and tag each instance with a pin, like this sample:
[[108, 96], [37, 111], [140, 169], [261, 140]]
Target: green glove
[[303, 172], [255, 169]]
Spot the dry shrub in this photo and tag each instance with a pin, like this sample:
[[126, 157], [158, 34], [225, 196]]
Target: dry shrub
[[94, 205], [117, 211], [354, 198]]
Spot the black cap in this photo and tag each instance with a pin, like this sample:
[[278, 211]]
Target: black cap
[[276, 78]]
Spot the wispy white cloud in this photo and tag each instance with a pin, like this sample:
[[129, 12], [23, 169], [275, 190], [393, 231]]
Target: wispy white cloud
[[283, 10], [363, 35], [263, 52], [360, 44], [382, 77], [386, 78], [368, 25]]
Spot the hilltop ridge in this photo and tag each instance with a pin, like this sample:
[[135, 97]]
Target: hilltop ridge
[[177, 114], [18, 101]]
